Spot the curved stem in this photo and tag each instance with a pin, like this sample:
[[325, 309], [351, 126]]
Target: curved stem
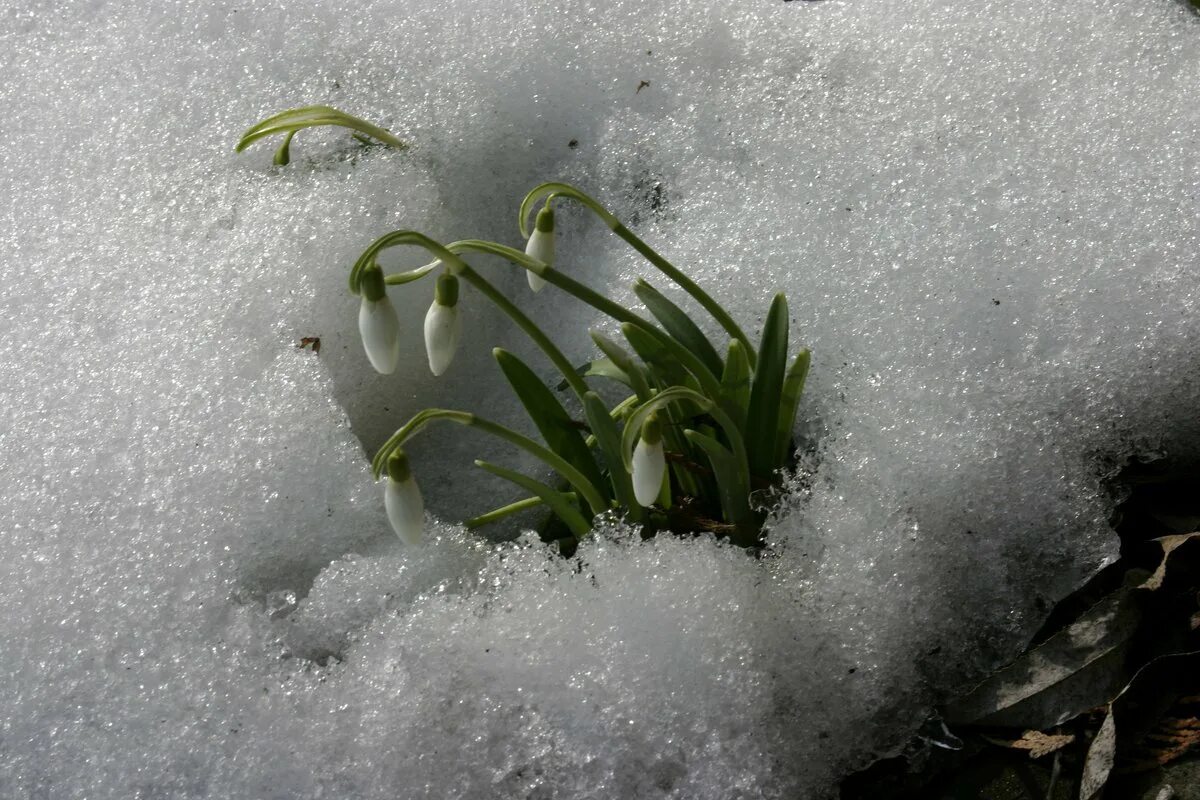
[[396, 239], [556, 462], [553, 190], [599, 302], [531, 329]]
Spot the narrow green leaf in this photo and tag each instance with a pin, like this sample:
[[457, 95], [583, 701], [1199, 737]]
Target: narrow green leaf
[[735, 382], [664, 366], [296, 119], [762, 416], [678, 324], [604, 428], [551, 419], [793, 387], [558, 502], [600, 368], [624, 362], [733, 492], [497, 514]]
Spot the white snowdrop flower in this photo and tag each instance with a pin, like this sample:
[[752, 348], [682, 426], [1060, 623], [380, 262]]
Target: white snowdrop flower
[[442, 324], [403, 501], [649, 462], [541, 245], [378, 323]]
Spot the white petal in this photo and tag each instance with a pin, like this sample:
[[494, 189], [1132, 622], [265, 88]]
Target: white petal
[[541, 247], [380, 330], [649, 466], [442, 331], [405, 510]]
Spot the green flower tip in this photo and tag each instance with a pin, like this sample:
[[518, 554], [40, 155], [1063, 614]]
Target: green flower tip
[[545, 220], [652, 429], [371, 285], [397, 466], [446, 291]]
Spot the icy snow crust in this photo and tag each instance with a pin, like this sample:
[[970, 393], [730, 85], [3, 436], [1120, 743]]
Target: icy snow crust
[[985, 217]]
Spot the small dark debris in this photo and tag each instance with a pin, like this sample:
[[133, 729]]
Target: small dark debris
[[311, 342], [995, 302], [642, 85], [573, 144]]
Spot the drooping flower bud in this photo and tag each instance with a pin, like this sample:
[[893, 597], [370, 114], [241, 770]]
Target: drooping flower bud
[[649, 462], [442, 324], [378, 323], [541, 245], [403, 501]]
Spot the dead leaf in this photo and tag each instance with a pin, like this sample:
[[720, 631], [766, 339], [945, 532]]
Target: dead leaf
[[1169, 544], [1038, 743], [1076, 669], [1148, 735], [1100, 758], [1042, 744]]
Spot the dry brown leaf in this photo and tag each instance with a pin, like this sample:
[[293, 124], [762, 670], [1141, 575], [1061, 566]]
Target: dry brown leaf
[[1168, 544], [1042, 744], [1037, 743], [1099, 761]]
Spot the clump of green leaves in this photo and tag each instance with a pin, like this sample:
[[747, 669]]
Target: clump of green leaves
[[697, 435]]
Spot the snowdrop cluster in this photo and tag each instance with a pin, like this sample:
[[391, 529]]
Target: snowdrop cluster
[[696, 435]]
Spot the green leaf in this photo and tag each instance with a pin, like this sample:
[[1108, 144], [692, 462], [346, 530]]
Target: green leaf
[[734, 494], [497, 514], [678, 324], [604, 428], [600, 368], [664, 366], [296, 119], [551, 419], [793, 387], [762, 418], [558, 501], [625, 363], [735, 382]]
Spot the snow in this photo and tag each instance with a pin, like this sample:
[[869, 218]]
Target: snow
[[984, 216]]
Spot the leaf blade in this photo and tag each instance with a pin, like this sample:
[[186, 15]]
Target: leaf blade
[[678, 324], [789, 403], [557, 501], [765, 390], [551, 419]]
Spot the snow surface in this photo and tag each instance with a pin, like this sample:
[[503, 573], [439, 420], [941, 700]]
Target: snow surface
[[984, 214]]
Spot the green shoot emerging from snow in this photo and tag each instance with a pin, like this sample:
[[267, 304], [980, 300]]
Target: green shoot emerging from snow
[[297, 119], [685, 450], [697, 435]]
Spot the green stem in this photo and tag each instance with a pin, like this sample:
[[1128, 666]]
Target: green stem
[[531, 329], [555, 461], [599, 302], [396, 239], [650, 254]]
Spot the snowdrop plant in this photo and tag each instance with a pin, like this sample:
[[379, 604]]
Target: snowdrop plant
[[697, 436]]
